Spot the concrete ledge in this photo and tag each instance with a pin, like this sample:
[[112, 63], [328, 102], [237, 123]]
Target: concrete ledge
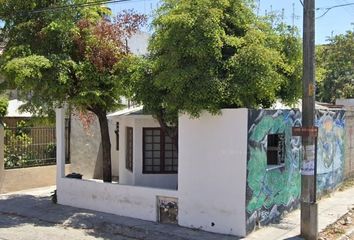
[[123, 200], [25, 178]]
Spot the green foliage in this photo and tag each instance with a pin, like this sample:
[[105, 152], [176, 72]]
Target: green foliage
[[4, 102], [335, 61], [50, 151], [66, 56], [15, 149], [47, 55], [207, 55], [22, 148]]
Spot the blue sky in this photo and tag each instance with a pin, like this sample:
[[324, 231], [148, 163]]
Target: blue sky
[[336, 21]]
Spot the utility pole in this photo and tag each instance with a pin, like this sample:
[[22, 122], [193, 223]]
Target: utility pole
[[309, 223]]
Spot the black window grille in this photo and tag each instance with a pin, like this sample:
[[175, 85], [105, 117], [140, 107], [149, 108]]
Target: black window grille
[[276, 149], [159, 152], [129, 149]]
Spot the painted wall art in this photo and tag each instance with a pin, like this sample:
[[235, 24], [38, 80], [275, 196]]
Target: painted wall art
[[273, 190], [330, 149]]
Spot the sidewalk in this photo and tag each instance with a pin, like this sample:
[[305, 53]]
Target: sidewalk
[[31, 215], [329, 210]]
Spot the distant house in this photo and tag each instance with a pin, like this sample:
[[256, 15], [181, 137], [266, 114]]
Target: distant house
[[232, 172], [14, 115]]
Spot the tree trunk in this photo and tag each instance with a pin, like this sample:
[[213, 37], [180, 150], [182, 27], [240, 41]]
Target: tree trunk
[[171, 132], [106, 144]]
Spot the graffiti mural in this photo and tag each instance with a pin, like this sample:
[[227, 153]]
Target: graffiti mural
[[272, 190], [330, 149]]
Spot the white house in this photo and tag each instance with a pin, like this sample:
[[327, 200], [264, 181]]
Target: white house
[[148, 158], [209, 191], [235, 171]]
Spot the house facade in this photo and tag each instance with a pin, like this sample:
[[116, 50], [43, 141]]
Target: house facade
[[235, 171]]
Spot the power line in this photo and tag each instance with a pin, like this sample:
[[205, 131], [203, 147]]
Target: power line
[[327, 9]]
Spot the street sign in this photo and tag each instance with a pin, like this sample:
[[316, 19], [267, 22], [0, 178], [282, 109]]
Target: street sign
[[305, 131]]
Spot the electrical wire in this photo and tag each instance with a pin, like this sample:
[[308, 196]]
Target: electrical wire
[[327, 9]]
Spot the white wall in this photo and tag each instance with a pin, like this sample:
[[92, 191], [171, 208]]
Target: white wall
[[125, 176], [212, 172], [137, 178], [130, 201], [114, 152], [347, 103]]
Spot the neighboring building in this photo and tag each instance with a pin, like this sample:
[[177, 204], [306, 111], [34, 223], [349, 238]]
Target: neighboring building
[[236, 171], [14, 115]]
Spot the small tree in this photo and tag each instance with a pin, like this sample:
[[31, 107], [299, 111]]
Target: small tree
[[336, 62], [208, 55], [67, 56]]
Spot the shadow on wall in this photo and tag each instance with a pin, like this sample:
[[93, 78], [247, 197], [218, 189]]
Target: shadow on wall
[[86, 149], [98, 170]]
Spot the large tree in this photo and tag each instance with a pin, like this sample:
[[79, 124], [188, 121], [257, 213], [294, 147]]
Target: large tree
[[336, 65], [208, 55], [63, 52]]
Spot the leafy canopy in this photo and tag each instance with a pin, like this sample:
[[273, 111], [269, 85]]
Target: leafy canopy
[[207, 55], [65, 55], [336, 64]]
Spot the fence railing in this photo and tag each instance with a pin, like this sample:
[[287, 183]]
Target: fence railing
[[31, 147]]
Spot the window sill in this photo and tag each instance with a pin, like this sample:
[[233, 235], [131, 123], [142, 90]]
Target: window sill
[[274, 167], [165, 173]]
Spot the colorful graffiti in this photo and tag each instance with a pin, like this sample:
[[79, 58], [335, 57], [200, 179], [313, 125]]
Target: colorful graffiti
[[330, 149], [271, 191]]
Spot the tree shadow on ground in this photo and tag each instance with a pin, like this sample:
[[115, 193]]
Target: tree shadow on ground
[[41, 211]]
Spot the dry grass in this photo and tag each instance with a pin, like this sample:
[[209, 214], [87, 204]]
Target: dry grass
[[348, 183], [343, 224]]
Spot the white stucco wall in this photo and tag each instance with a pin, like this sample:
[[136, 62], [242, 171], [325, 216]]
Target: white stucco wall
[[347, 103], [130, 201], [137, 178], [212, 172], [212, 175], [114, 152], [125, 176]]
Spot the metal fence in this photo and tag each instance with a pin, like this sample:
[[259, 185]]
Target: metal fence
[[31, 146]]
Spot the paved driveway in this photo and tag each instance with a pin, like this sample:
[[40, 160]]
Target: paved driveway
[[31, 215]]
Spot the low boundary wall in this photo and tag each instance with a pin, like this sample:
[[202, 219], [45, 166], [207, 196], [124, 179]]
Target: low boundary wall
[[123, 200], [25, 178]]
